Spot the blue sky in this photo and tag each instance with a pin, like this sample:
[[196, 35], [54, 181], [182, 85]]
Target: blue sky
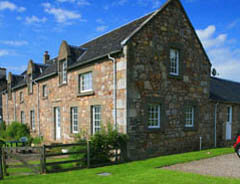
[[28, 28]]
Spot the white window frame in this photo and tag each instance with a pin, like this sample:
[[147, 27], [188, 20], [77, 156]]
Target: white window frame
[[74, 119], [22, 114], [229, 114], [174, 61], [96, 122], [21, 97], [32, 120], [45, 90], [154, 114], [83, 80], [189, 116], [64, 71], [30, 84]]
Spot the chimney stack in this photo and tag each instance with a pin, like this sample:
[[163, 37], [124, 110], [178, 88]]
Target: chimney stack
[[46, 57], [2, 72]]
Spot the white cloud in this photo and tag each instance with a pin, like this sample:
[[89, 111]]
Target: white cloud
[[207, 38], [233, 24], [115, 3], [153, 3], [4, 52], [78, 2], [101, 28], [61, 15], [83, 3], [224, 56], [66, 1], [100, 21], [14, 42], [19, 18], [15, 69], [34, 19], [6, 5]]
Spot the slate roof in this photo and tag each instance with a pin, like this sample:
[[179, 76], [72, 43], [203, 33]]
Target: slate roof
[[109, 42], [224, 90], [101, 46]]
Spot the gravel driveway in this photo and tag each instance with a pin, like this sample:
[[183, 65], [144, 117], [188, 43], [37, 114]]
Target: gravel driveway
[[225, 166]]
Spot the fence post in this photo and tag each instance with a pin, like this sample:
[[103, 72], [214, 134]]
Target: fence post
[[4, 163], [43, 160], [1, 168], [88, 154]]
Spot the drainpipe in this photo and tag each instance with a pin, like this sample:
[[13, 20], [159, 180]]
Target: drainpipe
[[14, 101], [38, 107], [114, 90], [7, 108], [215, 125]]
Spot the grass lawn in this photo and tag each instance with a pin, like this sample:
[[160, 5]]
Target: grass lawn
[[139, 172]]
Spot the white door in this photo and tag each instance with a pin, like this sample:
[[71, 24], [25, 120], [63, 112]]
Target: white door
[[57, 122], [229, 123]]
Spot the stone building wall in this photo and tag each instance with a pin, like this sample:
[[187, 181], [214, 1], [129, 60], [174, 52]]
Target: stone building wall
[[149, 82], [222, 122], [66, 96]]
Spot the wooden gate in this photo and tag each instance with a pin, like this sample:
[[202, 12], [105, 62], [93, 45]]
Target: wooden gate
[[26, 159]]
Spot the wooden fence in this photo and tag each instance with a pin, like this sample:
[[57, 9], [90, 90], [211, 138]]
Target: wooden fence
[[50, 158]]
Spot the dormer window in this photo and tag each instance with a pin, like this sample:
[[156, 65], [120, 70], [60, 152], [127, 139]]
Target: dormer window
[[63, 72], [174, 62]]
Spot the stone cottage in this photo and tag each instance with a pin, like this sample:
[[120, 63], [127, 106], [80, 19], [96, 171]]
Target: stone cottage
[[150, 78]]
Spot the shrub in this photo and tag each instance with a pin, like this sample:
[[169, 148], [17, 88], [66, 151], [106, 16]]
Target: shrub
[[17, 130], [37, 140], [101, 146], [2, 130]]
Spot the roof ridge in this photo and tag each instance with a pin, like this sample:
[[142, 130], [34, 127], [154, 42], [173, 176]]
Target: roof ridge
[[115, 29], [227, 80]]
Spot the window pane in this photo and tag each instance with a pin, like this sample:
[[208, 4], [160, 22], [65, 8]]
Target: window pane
[[74, 119], [86, 82], [189, 116], [96, 117], [154, 116], [174, 61]]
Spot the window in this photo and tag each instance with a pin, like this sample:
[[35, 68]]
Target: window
[[189, 116], [74, 119], [45, 91], [32, 120], [30, 84], [85, 82], [229, 114], [21, 97], [63, 72], [22, 117], [154, 116], [174, 62], [96, 118]]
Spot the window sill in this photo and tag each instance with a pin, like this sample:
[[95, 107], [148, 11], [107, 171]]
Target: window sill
[[45, 98], [157, 130], [179, 77], [63, 84], [190, 129], [89, 93]]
